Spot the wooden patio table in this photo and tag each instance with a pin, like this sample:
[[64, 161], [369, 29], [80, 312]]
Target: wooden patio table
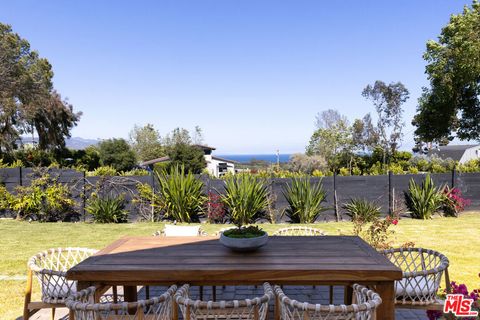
[[321, 260]]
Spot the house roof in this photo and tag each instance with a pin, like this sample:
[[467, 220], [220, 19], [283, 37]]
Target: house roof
[[157, 160], [223, 159], [204, 147], [454, 152]]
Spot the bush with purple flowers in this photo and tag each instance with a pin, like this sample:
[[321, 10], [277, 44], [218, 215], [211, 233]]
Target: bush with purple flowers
[[458, 289]]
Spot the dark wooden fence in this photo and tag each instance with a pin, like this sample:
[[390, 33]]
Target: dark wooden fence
[[386, 190]]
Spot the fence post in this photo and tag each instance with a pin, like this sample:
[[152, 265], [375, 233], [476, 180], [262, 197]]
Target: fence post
[[454, 174], [20, 178], [390, 193], [152, 204], [84, 196], [335, 202]]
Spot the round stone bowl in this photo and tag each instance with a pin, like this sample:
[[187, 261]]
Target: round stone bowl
[[244, 244]]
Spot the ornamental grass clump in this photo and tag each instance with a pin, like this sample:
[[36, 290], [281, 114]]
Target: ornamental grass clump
[[362, 209], [304, 200], [245, 198], [107, 209], [181, 195], [423, 200]]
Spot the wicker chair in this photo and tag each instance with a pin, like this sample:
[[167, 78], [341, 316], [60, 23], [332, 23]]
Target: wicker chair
[[248, 309], [299, 231], [422, 274], [83, 307], [50, 268], [364, 308]]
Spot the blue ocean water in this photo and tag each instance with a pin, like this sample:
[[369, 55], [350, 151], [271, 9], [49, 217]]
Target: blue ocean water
[[245, 158]]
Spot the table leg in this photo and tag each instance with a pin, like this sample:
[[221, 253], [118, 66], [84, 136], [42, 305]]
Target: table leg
[[174, 310], [130, 295], [276, 309], [386, 310], [347, 294]]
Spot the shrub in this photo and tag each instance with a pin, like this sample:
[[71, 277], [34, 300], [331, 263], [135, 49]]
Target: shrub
[[304, 200], [5, 197], [453, 202], [377, 234], [107, 209], [362, 209], [45, 199], [246, 199], [190, 157], [134, 172], [423, 200], [344, 172], [215, 208], [116, 153], [147, 203], [181, 196], [102, 171]]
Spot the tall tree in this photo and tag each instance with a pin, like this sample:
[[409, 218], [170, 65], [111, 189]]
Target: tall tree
[[388, 101], [332, 137], [179, 145], [146, 142], [451, 106], [364, 134], [28, 101], [177, 136], [116, 153]]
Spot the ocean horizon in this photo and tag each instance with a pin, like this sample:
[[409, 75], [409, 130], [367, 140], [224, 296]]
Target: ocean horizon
[[246, 158]]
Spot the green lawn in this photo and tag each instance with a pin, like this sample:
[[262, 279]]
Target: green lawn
[[457, 238]]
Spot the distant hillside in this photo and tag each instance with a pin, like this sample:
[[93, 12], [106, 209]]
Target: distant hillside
[[72, 143], [80, 143]]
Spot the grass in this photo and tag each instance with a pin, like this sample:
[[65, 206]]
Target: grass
[[457, 238]]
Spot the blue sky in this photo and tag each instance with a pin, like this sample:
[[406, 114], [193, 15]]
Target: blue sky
[[253, 74]]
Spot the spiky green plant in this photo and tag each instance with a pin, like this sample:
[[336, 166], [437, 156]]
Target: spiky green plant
[[181, 195], [246, 198], [423, 200], [109, 209], [304, 200], [362, 209]]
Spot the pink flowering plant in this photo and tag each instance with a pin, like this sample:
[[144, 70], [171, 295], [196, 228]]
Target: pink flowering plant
[[453, 202], [458, 289], [215, 208]]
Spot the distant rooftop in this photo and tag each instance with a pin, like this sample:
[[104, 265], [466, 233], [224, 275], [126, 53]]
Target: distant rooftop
[[454, 152], [204, 147]]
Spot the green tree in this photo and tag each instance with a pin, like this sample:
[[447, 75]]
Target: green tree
[[188, 156], [451, 105], [146, 142], [116, 153], [364, 134], [332, 139], [388, 101], [177, 136], [28, 101]]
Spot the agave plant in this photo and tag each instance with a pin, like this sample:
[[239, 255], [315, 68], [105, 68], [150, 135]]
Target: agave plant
[[246, 198], [304, 200], [362, 209], [423, 200], [181, 195]]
